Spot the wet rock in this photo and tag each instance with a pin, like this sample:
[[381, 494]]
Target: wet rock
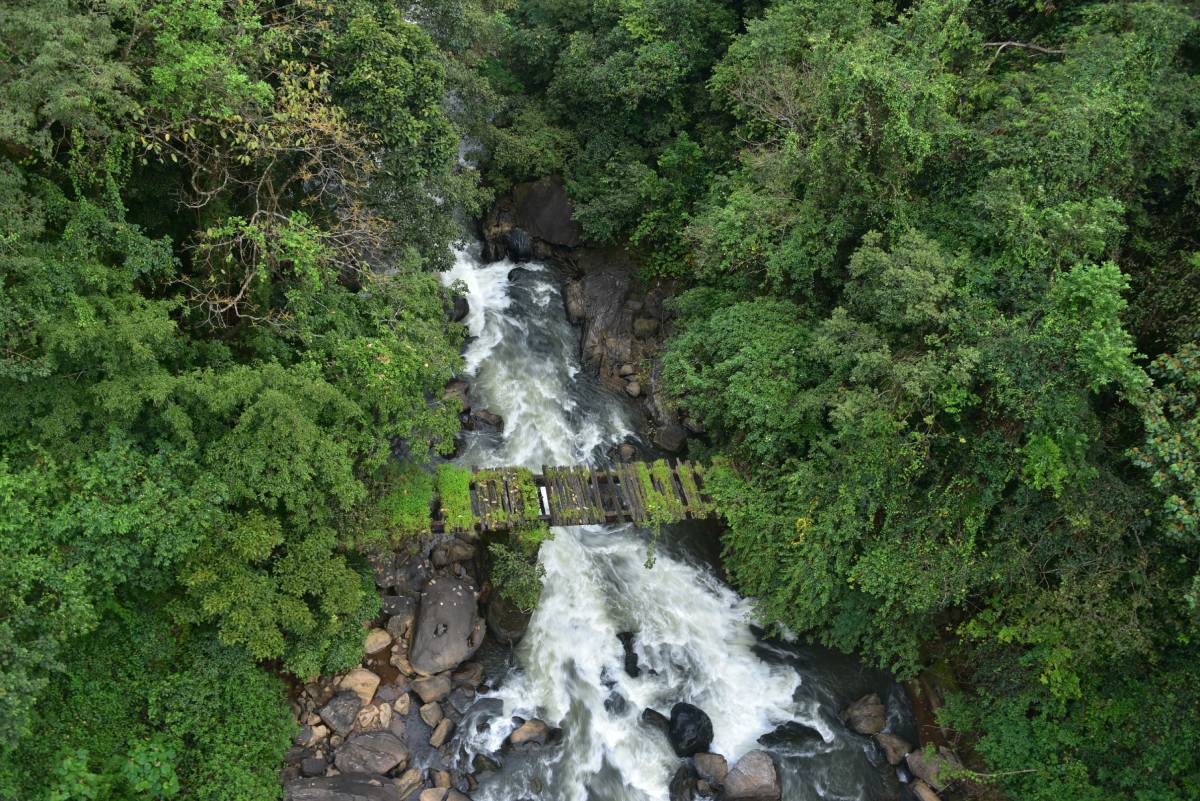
[[342, 788], [627, 452], [923, 791], [645, 327], [631, 660], [487, 421], [482, 763], [460, 307], [866, 715], [377, 640], [671, 437], [615, 703], [361, 682], [442, 794], [372, 752], [703, 788], [432, 688], [431, 713], [690, 730], [894, 748], [441, 778], [448, 629], [469, 675], [712, 767], [401, 610], [341, 711], [506, 622], [633, 389], [544, 209], [456, 393], [682, 786], [931, 766], [441, 733], [753, 778], [531, 732], [313, 766], [461, 699], [573, 301], [656, 720], [626, 370], [518, 244], [794, 734], [407, 782]]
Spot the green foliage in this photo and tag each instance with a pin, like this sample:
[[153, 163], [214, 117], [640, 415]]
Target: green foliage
[[408, 502], [454, 490], [518, 580]]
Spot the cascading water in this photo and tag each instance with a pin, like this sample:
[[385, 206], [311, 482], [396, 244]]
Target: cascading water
[[692, 634]]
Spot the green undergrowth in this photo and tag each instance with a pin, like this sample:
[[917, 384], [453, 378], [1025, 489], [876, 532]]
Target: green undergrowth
[[406, 502], [454, 490], [515, 571]]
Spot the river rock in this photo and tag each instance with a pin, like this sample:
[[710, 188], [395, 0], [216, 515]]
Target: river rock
[[690, 730], [341, 711], [506, 622], [408, 781], [633, 389], [931, 766], [313, 766], [361, 682], [626, 370], [460, 307], [487, 421], [402, 704], [894, 748], [923, 791], [372, 752], [866, 715], [342, 788], [627, 452], [432, 688], [544, 209], [442, 794], [682, 786], [656, 720], [377, 640], [469, 675], [670, 437], [441, 733], [753, 778], [448, 628], [375, 716], [531, 732], [631, 660], [793, 734], [712, 767], [431, 713]]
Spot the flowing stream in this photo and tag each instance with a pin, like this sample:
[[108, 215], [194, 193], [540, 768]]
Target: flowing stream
[[693, 635]]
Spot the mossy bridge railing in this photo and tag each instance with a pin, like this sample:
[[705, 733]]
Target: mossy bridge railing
[[506, 498]]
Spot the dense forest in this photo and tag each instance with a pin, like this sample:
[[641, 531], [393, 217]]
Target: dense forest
[[938, 316]]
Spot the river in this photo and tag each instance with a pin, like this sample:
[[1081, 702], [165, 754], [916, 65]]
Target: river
[[695, 638]]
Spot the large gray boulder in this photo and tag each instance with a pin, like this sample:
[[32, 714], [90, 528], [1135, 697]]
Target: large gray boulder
[[866, 715], [373, 752], [342, 788], [544, 209], [753, 778], [341, 711], [448, 628]]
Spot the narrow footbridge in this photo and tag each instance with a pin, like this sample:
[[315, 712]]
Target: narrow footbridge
[[647, 493]]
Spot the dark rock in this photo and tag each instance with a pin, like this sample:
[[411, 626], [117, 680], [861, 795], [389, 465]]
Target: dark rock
[[518, 244], [469, 675], [460, 307], [506, 622], [313, 766], [656, 720], [792, 733], [457, 394], [487, 421], [544, 209], [615, 703], [461, 698], [573, 301], [448, 628], [645, 327], [631, 659], [341, 711], [433, 688], [607, 339], [403, 607], [372, 752], [482, 763], [753, 778], [866, 715], [342, 788], [683, 785], [289, 774], [690, 730], [459, 551], [894, 748], [932, 766], [712, 767], [671, 437]]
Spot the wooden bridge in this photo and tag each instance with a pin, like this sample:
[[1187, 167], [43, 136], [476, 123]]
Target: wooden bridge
[[508, 498]]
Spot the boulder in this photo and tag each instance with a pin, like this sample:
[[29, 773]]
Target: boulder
[[361, 682], [894, 748], [633, 389], [690, 730], [631, 660], [793, 734], [469, 675], [574, 302], [441, 733], [377, 640], [682, 786], [487, 421], [607, 337], [712, 767], [627, 452], [342, 788], [932, 766], [531, 732], [431, 713], [448, 628], [456, 393], [506, 622], [402, 704], [460, 307], [313, 766], [518, 244], [375, 716], [544, 209], [626, 370], [459, 551], [432, 688], [923, 791], [408, 781], [372, 752], [866, 715], [753, 778], [656, 720], [341, 711], [401, 609], [645, 327], [670, 437]]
